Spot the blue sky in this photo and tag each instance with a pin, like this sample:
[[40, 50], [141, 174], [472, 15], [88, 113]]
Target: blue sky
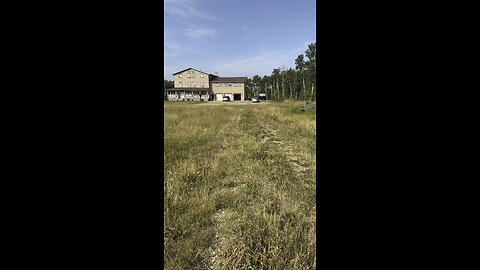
[[236, 37]]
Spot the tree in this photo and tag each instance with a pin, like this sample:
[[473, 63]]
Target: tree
[[283, 77], [300, 66], [291, 83], [266, 86], [311, 52], [255, 84], [275, 78], [311, 67], [249, 87], [166, 85]]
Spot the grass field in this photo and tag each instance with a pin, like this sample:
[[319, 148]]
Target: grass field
[[239, 189]]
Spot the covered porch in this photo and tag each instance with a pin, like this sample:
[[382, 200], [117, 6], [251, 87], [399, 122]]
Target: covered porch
[[188, 94]]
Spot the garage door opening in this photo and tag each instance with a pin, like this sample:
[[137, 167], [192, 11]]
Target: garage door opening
[[237, 96]]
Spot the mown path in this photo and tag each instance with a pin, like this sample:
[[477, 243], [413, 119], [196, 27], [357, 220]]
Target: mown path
[[259, 201]]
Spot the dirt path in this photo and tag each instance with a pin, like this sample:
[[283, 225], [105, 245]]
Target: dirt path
[[223, 216], [242, 180], [270, 136]]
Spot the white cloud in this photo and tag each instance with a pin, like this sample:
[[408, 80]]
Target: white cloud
[[187, 9], [254, 59], [200, 32], [191, 14], [261, 63], [171, 46]]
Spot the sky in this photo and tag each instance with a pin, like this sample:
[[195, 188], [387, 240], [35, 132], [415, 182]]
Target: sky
[[236, 37]]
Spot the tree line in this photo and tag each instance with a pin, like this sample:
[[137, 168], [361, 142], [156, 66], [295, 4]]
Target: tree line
[[297, 84]]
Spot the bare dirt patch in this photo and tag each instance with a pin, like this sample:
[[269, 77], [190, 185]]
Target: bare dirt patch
[[216, 251], [269, 135]]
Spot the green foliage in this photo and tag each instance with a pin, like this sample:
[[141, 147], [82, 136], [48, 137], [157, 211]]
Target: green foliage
[[294, 84], [166, 85]]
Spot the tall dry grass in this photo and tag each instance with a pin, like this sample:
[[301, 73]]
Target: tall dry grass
[[239, 190]]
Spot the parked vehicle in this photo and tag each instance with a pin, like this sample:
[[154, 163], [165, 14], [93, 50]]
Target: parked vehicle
[[226, 98], [255, 100]]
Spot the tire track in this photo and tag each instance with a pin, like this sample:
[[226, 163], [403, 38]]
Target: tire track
[[216, 254], [270, 135]]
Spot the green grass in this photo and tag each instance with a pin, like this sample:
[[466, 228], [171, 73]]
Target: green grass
[[239, 186]]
